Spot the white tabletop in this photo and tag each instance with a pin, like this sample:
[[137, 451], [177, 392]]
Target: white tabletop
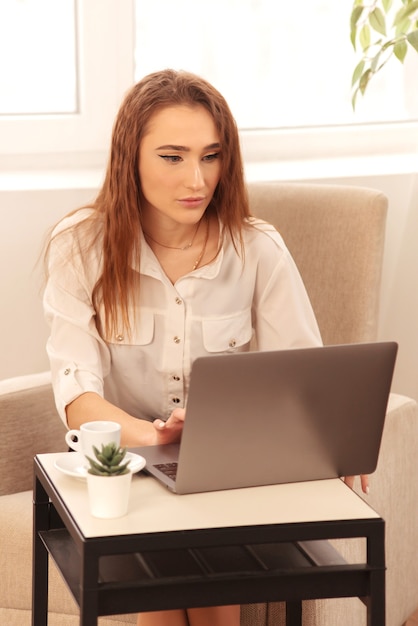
[[153, 508]]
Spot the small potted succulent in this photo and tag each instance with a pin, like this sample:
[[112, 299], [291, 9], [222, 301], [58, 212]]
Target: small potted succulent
[[109, 481]]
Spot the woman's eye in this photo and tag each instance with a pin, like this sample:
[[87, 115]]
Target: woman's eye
[[211, 157], [172, 158]]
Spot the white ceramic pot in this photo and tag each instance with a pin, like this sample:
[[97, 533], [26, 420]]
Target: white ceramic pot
[[109, 495]]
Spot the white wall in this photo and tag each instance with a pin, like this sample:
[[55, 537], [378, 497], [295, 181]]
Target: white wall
[[26, 215], [399, 298]]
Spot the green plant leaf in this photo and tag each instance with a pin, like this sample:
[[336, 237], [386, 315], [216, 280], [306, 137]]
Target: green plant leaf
[[375, 62], [96, 467], [358, 71], [364, 80], [413, 39], [354, 18], [109, 450], [121, 469], [364, 37], [118, 458], [96, 472], [404, 26], [387, 4], [405, 12], [355, 15], [377, 21], [354, 98], [400, 49]]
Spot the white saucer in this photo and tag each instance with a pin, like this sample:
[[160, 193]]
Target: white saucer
[[76, 465]]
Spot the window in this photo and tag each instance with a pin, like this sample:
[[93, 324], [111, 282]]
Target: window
[[279, 64], [38, 57], [66, 126], [285, 69]]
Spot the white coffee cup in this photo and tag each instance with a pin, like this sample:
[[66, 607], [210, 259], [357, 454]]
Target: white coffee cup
[[91, 434]]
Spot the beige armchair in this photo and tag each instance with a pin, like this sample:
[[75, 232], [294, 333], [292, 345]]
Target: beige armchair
[[336, 235]]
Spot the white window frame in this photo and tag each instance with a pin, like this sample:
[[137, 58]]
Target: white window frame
[[105, 72], [105, 30]]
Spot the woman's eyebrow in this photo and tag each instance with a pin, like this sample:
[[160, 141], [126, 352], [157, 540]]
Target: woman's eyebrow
[[212, 146]]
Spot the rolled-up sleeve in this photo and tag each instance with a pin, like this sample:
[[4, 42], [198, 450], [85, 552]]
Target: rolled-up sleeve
[[79, 357]]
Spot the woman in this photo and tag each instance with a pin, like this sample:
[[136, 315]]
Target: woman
[[165, 266]]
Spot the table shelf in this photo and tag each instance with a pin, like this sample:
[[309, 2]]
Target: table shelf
[[179, 572]]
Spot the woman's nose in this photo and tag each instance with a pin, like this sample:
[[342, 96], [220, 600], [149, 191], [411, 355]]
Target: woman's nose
[[195, 178]]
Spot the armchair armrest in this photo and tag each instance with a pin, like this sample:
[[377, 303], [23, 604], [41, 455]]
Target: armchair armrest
[[29, 425], [394, 495]]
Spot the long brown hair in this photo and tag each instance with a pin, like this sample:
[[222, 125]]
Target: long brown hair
[[118, 205]]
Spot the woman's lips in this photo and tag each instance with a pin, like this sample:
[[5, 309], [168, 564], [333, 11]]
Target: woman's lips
[[192, 202]]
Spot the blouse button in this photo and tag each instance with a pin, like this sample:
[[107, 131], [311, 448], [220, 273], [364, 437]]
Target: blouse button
[[232, 343], [176, 339], [67, 371], [179, 300], [119, 337], [176, 400], [176, 378]]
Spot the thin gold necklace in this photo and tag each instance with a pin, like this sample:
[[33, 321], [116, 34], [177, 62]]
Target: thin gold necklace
[[186, 247], [200, 257]]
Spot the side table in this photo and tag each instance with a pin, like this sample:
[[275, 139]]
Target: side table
[[260, 544]]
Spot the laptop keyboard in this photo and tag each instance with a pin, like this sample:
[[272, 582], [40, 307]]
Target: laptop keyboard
[[169, 469]]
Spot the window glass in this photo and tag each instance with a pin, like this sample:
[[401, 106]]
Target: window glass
[[37, 57], [279, 64]]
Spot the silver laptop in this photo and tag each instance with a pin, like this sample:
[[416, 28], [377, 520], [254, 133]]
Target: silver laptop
[[260, 418]]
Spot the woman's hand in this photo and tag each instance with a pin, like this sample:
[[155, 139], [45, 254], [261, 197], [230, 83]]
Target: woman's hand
[[349, 480], [170, 431]]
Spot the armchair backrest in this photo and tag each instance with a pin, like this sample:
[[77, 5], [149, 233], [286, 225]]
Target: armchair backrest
[[336, 235]]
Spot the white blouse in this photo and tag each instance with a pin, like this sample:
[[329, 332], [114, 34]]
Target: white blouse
[[229, 305]]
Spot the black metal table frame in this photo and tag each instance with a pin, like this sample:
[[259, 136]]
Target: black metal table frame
[[158, 571]]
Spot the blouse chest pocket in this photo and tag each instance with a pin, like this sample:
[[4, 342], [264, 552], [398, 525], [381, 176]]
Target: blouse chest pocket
[[227, 334], [141, 334]]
